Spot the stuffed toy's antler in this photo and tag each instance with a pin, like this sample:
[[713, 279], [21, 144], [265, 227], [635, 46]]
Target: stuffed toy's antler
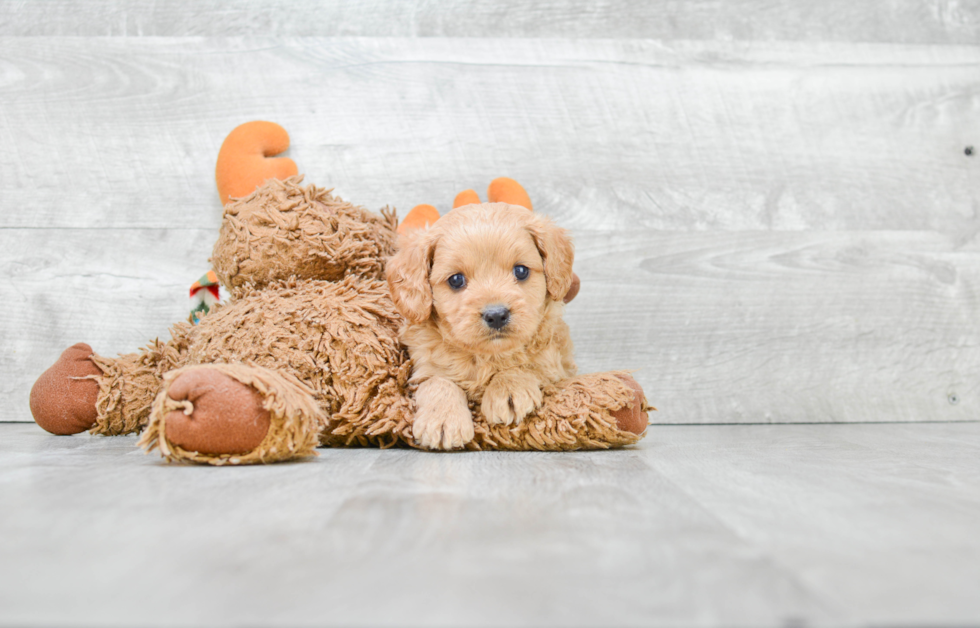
[[244, 161]]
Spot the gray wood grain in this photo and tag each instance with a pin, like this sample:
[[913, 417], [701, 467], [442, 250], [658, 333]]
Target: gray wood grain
[[935, 22], [836, 525], [115, 289], [123, 132], [785, 326], [723, 327], [768, 231]]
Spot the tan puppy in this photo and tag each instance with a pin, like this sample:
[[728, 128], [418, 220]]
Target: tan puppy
[[481, 291]]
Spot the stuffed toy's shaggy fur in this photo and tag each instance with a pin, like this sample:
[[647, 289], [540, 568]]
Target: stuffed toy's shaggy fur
[[307, 350]]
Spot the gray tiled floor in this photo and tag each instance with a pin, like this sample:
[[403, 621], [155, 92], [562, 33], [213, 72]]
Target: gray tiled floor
[[699, 525]]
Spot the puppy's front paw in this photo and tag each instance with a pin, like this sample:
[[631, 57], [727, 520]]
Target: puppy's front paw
[[510, 398], [443, 419], [442, 428]]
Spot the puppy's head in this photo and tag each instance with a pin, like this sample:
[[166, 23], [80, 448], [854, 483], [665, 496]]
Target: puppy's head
[[484, 275]]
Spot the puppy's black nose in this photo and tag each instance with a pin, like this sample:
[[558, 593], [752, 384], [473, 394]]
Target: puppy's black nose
[[496, 316]]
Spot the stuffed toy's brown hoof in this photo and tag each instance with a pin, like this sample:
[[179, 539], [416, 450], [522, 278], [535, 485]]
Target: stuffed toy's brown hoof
[[63, 398], [220, 416], [232, 414], [632, 418]]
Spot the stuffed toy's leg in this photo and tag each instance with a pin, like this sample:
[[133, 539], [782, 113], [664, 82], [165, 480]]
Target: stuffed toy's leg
[[233, 414], [597, 411], [108, 396]]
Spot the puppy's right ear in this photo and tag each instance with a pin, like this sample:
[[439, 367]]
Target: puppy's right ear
[[408, 275]]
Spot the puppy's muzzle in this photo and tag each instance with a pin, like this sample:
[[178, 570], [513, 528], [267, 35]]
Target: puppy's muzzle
[[496, 316]]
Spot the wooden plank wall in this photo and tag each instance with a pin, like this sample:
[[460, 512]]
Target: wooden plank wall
[[775, 214]]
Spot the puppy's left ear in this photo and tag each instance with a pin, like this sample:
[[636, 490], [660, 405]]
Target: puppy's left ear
[[557, 251]]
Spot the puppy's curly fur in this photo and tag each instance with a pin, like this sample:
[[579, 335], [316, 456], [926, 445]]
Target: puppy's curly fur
[[460, 353]]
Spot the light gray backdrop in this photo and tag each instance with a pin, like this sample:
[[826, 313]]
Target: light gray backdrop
[[775, 215]]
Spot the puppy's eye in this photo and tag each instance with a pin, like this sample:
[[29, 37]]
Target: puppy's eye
[[457, 281], [521, 272]]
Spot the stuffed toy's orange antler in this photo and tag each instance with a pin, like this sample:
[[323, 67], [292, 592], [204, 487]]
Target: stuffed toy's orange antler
[[504, 190], [501, 190], [244, 159], [420, 217], [466, 197]]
